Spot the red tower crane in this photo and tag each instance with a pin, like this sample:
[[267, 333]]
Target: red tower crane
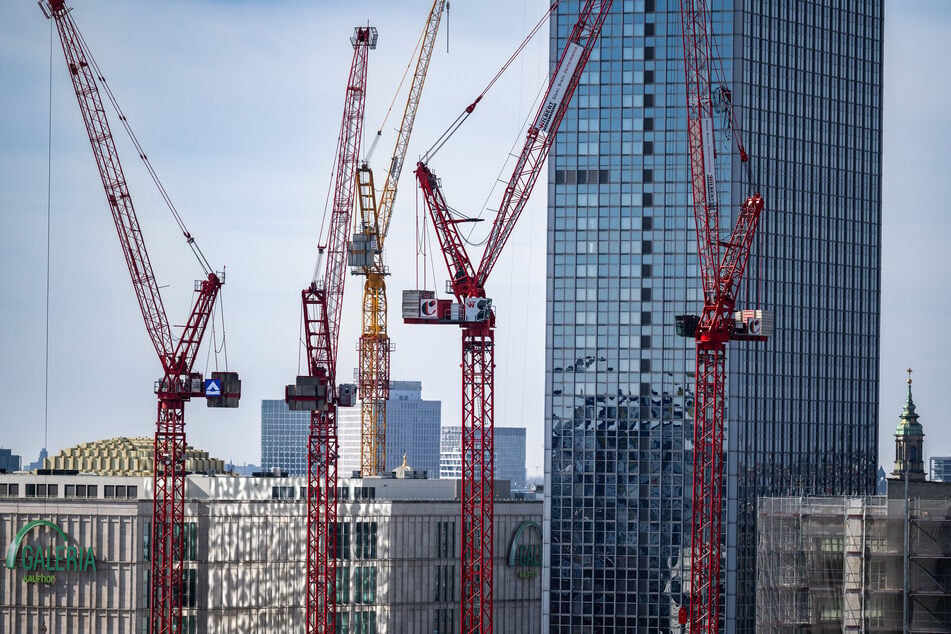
[[722, 261], [179, 382], [472, 312], [316, 392]]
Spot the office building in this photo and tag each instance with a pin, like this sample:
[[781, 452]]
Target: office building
[[81, 562], [39, 461], [284, 438], [509, 454], [805, 80], [412, 428], [939, 468], [450, 452], [9, 461]]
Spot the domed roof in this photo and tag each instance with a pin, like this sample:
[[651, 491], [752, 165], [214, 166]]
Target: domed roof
[[126, 457], [404, 470]]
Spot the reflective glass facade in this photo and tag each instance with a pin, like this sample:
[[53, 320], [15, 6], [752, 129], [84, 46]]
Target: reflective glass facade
[[284, 438], [806, 83], [508, 454], [412, 428]]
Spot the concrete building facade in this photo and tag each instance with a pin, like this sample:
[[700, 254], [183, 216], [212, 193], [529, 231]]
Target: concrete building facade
[[398, 555]]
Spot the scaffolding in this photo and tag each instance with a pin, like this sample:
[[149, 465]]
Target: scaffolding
[[839, 564]]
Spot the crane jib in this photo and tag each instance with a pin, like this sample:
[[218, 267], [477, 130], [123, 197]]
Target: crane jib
[[573, 54], [709, 156]]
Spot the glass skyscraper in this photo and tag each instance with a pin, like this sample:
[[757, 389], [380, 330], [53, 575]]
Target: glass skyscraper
[[412, 428], [805, 80], [283, 438], [508, 454]]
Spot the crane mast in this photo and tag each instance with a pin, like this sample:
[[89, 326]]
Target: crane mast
[[473, 313], [316, 392], [179, 383], [722, 262], [366, 258]]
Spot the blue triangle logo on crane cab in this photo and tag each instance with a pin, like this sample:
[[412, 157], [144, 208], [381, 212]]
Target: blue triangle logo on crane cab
[[212, 388]]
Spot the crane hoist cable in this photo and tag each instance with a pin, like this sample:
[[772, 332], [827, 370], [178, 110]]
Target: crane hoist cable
[[399, 88], [190, 240], [498, 179], [455, 125]]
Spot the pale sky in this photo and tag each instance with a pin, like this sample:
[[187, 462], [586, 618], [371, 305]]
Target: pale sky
[[238, 107]]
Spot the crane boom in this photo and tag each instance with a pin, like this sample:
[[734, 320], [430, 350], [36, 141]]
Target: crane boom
[[317, 392], [388, 197], [374, 347], [722, 263], [475, 317], [178, 383], [541, 133], [114, 182]]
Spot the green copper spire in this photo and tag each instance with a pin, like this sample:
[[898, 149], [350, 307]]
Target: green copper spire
[[908, 424]]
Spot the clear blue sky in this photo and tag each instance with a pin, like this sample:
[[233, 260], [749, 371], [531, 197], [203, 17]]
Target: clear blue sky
[[238, 106]]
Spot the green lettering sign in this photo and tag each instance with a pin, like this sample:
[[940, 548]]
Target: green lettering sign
[[39, 561], [525, 553]]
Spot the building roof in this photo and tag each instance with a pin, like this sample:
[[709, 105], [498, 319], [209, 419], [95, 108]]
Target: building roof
[[126, 457]]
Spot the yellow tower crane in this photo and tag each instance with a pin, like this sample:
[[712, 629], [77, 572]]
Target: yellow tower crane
[[366, 258]]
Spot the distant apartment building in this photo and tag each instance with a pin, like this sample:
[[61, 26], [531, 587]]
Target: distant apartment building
[[398, 555], [9, 461], [412, 429], [509, 454]]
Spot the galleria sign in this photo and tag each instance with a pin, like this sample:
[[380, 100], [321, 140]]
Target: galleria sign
[[525, 552], [39, 562]]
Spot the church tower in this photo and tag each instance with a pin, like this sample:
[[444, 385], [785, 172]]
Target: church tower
[[909, 441]]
